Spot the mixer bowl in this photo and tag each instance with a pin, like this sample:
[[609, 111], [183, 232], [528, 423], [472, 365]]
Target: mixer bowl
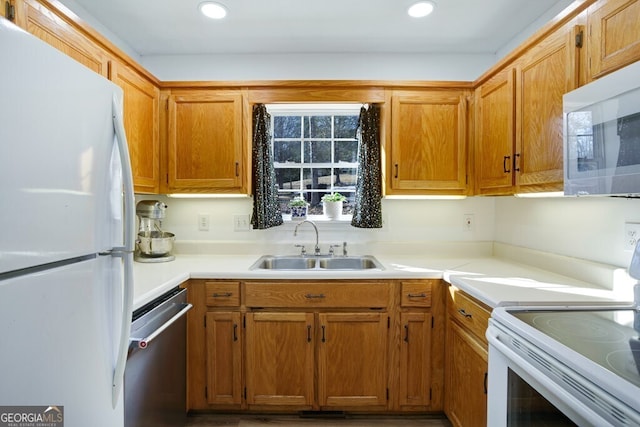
[[155, 243]]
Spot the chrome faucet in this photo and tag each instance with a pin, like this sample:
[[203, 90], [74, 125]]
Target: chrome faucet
[[316, 250]]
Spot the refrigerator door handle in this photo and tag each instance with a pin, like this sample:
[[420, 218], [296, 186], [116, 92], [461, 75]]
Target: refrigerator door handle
[[126, 252]]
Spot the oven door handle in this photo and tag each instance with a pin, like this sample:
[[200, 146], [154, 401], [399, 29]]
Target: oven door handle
[[583, 416]]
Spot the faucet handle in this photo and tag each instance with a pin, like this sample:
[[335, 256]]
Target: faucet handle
[[331, 251], [303, 251]]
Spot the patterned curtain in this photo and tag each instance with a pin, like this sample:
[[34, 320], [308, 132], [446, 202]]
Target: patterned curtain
[[368, 210], [266, 210]]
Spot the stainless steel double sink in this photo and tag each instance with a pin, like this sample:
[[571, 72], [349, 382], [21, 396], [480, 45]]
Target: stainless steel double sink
[[317, 262]]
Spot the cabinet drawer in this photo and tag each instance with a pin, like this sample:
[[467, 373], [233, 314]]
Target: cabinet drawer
[[223, 294], [469, 314], [416, 294], [317, 294]]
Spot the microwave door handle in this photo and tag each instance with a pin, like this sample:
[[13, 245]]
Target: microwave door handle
[[540, 380], [126, 253]]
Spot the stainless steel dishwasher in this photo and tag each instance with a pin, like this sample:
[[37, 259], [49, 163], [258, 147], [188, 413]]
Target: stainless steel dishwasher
[[155, 374]]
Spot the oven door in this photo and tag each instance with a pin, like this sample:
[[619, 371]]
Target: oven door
[[522, 394]]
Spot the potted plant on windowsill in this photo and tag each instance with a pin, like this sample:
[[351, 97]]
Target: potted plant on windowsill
[[332, 205], [298, 207]]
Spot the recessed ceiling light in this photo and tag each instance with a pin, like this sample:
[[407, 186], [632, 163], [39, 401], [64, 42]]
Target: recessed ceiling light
[[213, 10], [421, 9]]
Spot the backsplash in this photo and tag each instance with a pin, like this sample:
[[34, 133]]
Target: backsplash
[[587, 228]]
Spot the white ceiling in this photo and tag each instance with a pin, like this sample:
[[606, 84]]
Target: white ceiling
[[167, 27]]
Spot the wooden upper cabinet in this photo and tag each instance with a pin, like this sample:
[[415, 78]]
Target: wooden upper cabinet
[[494, 134], [428, 143], [205, 141], [614, 35], [543, 75], [4, 5], [50, 27], [142, 125]]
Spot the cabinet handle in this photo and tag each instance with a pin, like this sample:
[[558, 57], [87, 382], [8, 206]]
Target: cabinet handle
[[323, 338], [422, 295], [465, 314], [308, 333], [222, 295], [396, 175], [235, 332], [516, 161], [406, 333], [505, 162], [486, 374], [312, 296], [237, 169]]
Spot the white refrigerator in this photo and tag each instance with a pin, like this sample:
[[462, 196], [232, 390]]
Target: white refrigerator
[[66, 238]]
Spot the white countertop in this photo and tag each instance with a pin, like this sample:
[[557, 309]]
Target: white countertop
[[495, 280]]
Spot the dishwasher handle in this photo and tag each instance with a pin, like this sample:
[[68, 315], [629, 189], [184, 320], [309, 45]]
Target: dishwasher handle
[[144, 342]]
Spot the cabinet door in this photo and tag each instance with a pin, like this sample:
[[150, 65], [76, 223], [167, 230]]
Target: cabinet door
[[495, 121], [614, 35], [4, 5], [205, 141], [352, 365], [428, 143], [141, 124], [466, 379], [280, 359], [224, 356], [544, 75], [36, 19], [415, 359]]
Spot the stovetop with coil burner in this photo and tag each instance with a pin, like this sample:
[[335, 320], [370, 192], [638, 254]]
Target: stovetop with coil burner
[[610, 338]]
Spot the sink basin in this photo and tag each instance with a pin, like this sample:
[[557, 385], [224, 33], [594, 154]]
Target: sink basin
[[274, 262], [349, 263], [284, 263]]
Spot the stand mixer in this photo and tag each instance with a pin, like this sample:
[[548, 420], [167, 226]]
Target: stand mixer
[[152, 244]]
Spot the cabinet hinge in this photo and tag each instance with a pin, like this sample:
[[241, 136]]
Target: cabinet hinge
[[579, 39], [10, 11]]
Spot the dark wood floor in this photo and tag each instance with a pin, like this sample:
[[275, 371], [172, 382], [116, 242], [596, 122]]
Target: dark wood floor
[[216, 420]]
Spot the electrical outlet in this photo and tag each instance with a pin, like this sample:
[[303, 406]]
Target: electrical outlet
[[203, 222], [631, 235], [241, 223], [468, 222]]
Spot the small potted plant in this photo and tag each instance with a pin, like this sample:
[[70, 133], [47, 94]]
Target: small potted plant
[[298, 207], [332, 205]]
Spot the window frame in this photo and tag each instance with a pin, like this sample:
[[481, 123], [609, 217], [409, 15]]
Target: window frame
[[304, 110]]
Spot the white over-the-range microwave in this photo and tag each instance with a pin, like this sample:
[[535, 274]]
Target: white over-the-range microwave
[[602, 136]]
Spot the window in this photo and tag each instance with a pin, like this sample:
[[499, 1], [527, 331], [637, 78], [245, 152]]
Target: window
[[315, 152]]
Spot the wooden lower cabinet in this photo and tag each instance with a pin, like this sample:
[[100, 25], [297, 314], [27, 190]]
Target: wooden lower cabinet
[[352, 359], [466, 362], [415, 359], [280, 359], [284, 346], [224, 357]]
